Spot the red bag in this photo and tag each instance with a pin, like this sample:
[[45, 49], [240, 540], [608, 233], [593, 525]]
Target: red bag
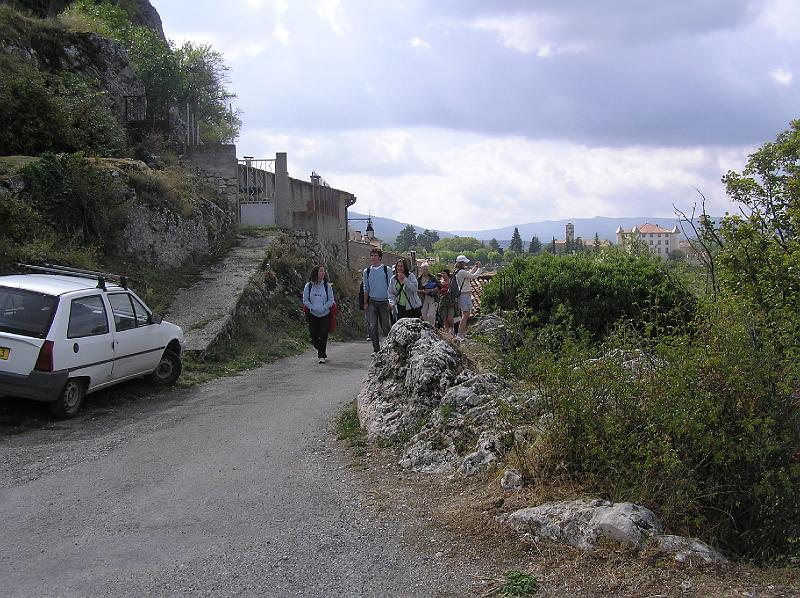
[[332, 321]]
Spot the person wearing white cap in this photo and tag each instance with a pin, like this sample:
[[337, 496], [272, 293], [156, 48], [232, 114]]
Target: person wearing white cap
[[428, 291], [463, 278]]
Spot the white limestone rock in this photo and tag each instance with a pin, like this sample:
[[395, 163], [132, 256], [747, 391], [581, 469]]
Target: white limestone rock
[[406, 380], [581, 523], [511, 480], [478, 462], [688, 549]]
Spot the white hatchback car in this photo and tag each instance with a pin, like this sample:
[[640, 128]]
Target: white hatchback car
[[66, 332]]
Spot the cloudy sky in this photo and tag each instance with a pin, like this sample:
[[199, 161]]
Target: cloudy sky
[[467, 114]]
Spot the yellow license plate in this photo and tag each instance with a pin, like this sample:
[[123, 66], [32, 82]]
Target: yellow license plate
[[4, 351]]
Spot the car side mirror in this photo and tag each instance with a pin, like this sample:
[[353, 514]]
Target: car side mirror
[[156, 318]]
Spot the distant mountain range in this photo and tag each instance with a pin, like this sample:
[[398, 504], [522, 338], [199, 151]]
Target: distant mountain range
[[387, 229]]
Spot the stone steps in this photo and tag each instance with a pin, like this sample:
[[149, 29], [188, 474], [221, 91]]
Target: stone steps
[[205, 310]]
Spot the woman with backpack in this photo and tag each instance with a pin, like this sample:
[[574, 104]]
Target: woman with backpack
[[403, 292], [447, 306], [428, 291], [463, 281], [317, 302]]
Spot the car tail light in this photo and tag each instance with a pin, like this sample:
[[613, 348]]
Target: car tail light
[[44, 363]]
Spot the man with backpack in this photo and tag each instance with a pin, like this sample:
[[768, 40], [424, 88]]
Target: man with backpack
[[376, 297]]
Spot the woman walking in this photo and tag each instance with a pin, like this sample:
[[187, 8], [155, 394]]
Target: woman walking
[[317, 300], [403, 292], [428, 290], [463, 278]]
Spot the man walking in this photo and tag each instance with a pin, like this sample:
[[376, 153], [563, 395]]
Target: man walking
[[376, 297]]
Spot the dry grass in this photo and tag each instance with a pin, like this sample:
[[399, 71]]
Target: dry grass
[[465, 510]]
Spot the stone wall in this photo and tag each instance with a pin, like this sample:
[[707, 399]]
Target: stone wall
[[166, 239], [218, 165], [322, 251]]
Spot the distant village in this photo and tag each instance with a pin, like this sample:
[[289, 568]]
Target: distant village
[[662, 242]]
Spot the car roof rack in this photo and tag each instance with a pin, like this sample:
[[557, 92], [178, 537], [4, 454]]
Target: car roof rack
[[101, 277]]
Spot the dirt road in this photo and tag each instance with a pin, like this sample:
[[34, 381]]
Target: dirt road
[[234, 488]]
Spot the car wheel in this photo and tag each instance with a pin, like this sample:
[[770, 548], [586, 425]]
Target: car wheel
[[70, 399], [167, 370]]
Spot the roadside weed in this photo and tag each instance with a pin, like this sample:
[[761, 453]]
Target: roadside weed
[[519, 584], [513, 583], [348, 429]]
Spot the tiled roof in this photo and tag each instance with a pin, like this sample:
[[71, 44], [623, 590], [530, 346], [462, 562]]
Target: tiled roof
[[477, 289], [652, 228]]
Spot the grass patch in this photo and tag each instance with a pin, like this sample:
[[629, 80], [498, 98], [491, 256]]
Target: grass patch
[[513, 583], [11, 165], [252, 348], [348, 429], [249, 230]]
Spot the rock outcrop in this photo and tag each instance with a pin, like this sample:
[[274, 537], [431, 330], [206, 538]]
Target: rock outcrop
[[582, 523], [420, 388], [141, 12], [166, 239], [86, 54]]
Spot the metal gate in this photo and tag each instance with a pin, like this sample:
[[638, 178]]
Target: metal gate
[[257, 191]]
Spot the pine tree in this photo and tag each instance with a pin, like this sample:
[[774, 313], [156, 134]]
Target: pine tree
[[406, 239], [535, 246], [516, 242]]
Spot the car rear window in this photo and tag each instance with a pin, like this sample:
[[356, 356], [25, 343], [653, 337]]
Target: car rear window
[[26, 312]]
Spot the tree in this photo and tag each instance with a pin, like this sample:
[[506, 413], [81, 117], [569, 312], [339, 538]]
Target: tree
[[173, 77], [596, 242], [760, 250], [535, 245], [494, 246], [406, 239], [427, 238], [458, 244], [204, 76], [516, 242]]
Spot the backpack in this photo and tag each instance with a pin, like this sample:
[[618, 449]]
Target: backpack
[[454, 291]]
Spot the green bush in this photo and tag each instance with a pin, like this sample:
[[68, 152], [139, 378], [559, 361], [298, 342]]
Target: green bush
[[77, 199], [594, 291], [701, 427], [43, 112]]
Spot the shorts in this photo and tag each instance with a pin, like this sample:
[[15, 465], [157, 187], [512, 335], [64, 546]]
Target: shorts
[[465, 301], [447, 311]]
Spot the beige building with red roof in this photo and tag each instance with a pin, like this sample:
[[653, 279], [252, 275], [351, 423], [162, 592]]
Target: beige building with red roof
[[661, 241]]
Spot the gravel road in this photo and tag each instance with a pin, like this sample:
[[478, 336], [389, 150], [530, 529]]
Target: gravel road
[[234, 488]]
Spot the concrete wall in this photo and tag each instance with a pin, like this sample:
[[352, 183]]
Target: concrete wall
[[359, 255], [218, 164], [298, 205], [260, 213]]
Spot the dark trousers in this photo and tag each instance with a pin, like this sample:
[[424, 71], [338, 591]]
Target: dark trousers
[[410, 312], [318, 329], [378, 319]]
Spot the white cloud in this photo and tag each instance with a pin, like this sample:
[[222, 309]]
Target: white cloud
[[528, 34], [281, 33], [781, 76], [329, 10], [449, 180], [783, 17], [281, 7], [417, 42]]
